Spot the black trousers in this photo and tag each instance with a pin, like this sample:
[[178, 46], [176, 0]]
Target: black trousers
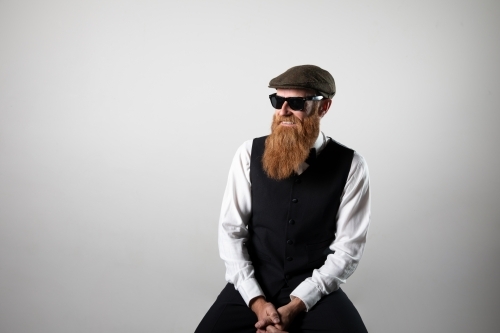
[[333, 313]]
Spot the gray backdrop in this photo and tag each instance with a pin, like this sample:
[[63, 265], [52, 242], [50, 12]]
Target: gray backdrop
[[119, 120]]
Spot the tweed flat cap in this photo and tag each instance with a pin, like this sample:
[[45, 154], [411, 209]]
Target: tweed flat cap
[[306, 77]]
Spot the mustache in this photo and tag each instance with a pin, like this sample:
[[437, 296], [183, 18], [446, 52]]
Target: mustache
[[287, 118]]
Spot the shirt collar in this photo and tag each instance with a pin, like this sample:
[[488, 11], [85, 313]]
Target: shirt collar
[[320, 142]]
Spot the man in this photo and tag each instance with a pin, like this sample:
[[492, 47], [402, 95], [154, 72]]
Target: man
[[294, 220]]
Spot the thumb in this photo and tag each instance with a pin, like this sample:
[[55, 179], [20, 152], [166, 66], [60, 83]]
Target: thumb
[[274, 317]]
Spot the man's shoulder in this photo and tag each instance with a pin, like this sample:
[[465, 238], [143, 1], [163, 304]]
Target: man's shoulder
[[246, 147], [244, 151], [340, 145], [358, 161]]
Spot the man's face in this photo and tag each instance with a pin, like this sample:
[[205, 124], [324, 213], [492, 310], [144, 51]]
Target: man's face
[[287, 111]]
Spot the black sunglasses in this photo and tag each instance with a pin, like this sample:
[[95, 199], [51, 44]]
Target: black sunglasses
[[296, 103]]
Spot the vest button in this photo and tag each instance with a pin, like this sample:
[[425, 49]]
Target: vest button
[[287, 276], [289, 258], [291, 222], [295, 200], [289, 242]]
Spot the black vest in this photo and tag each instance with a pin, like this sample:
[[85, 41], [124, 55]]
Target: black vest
[[294, 220]]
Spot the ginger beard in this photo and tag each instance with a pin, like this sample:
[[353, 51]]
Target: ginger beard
[[288, 146]]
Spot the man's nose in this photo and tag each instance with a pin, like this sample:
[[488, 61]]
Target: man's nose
[[285, 110]]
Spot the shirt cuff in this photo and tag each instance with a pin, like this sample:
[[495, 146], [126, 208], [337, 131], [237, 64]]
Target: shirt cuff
[[308, 293], [249, 289]]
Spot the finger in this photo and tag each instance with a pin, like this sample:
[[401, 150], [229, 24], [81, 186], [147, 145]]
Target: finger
[[259, 324], [280, 327], [263, 323], [272, 329]]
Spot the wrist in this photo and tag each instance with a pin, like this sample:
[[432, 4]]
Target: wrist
[[256, 303], [296, 306]]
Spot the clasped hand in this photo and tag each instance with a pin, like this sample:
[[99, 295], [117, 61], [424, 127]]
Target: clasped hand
[[272, 320]]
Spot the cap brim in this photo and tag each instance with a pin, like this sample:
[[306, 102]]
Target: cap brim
[[301, 87]]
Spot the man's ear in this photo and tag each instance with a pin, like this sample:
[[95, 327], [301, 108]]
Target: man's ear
[[325, 106]]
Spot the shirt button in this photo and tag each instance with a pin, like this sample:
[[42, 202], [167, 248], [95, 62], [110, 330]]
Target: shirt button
[[289, 258], [295, 200], [289, 242], [291, 222]]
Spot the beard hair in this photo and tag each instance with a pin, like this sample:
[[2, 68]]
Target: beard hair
[[287, 147]]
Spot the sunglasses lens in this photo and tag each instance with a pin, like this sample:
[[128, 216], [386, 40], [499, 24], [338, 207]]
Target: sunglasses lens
[[276, 101], [296, 104]]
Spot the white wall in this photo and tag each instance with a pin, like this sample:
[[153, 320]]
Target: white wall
[[119, 119]]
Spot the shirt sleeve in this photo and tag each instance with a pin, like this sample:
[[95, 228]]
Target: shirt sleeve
[[235, 213], [353, 219]]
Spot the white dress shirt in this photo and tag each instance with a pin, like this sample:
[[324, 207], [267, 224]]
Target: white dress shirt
[[353, 219]]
